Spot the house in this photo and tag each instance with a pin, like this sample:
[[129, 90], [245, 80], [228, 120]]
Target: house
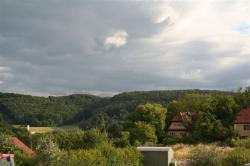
[[242, 123], [7, 159], [19, 144], [178, 124]]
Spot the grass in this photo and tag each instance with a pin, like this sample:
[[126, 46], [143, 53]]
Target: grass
[[34, 130], [184, 152]]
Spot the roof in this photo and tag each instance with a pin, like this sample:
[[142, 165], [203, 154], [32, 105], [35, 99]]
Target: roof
[[157, 149], [243, 116], [3, 155], [21, 145], [181, 116]]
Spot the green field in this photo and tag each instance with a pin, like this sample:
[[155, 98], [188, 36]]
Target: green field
[[34, 130]]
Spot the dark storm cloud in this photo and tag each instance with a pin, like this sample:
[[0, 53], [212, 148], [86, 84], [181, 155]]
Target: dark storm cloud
[[58, 47]]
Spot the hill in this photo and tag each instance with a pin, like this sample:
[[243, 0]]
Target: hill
[[62, 110], [42, 111]]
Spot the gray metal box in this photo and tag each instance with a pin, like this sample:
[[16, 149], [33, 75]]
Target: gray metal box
[[156, 156]]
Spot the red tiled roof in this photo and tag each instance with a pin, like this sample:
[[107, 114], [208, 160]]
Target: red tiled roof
[[21, 145], [181, 116], [243, 116]]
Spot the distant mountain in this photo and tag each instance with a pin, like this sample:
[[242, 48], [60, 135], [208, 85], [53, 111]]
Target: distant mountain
[[81, 108]]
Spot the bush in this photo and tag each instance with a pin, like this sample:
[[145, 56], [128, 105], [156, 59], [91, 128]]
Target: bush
[[142, 133], [92, 157], [47, 153], [171, 140], [206, 157], [73, 139], [106, 155], [122, 140], [238, 157], [22, 159], [121, 156], [93, 138], [243, 143]]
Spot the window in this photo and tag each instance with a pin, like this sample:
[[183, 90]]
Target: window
[[247, 127]]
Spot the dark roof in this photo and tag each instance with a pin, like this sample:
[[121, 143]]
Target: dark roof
[[182, 116], [21, 145], [243, 116]]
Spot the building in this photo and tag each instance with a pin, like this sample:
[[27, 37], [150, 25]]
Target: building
[[7, 159], [19, 144], [156, 156], [242, 123], [178, 124]]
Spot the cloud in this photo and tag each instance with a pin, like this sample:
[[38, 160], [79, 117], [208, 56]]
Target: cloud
[[162, 45], [4, 74], [117, 39]]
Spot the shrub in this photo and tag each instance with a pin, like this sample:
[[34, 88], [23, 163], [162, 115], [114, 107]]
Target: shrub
[[47, 153], [93, 138], [106, 155], [206, 157], [238, 157], [92, 157], [121, 156], [122, 140], [243, 143], [142, 133]]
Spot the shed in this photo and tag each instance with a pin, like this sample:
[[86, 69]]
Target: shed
[[7, 159], [156, 156]]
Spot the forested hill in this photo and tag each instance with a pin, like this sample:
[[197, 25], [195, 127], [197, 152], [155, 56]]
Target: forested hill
[[42, 111], [49, 111]]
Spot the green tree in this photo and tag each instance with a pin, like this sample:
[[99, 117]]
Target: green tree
[[152, 114], [142, 133], [94, 138], [224, 108], [47, 153]]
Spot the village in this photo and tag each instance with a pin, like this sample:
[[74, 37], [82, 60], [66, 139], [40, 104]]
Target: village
[[173, 155]]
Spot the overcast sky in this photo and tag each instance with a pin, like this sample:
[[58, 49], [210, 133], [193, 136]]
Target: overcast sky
[[57, 47]]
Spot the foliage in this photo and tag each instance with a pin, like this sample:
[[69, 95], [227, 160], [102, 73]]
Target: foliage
[[242, 98], [21, 158], [47, 153], [73, 139], [238, 157], [42, 111], [206, 157], [212, 116], [122, 140], [92, 157], [91, 149], [153, 114], [142, 133], [213, 157], [105, 155], [244, 143], [94, 138], [21, 133], [55, 111]]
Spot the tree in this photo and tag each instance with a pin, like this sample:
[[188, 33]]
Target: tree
[[152, 114], [94, 138], [224, 108], [47, 153], [242, 98], [142, 133]]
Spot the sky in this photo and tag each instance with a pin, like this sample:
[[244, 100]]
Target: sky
[[103, 47]]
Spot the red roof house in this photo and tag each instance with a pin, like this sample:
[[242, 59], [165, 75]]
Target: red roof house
[[177, 126], [242, 122], [19, 144], [243, 116]]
